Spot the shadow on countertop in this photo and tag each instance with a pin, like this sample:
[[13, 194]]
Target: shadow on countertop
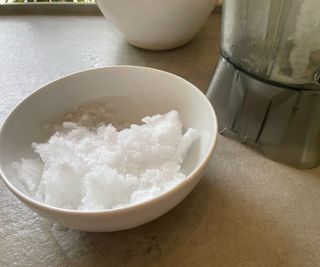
[[207, 228]]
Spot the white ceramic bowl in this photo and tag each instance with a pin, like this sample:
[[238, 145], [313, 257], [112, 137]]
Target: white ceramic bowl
[[157, 24], [136, 92]]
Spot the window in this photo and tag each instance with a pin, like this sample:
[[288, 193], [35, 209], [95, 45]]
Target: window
[[49, 7], [45, 1]]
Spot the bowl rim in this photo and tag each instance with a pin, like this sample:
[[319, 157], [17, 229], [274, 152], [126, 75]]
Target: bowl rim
[[40, 205]]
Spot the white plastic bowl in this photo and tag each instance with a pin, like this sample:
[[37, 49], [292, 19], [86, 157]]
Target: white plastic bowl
[[136, 92], [157, 24]]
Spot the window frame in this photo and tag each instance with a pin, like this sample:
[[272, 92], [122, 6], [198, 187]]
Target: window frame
[[50, 8]]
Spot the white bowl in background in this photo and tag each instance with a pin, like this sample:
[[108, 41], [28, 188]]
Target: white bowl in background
[[157, 24], [135, 92]]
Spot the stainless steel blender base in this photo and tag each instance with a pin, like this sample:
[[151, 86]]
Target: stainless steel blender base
[[282, 123]]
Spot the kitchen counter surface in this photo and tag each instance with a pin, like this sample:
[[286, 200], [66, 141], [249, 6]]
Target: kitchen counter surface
[[246, 211]]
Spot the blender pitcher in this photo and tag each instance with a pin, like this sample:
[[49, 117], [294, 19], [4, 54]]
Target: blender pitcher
[[266, 87]]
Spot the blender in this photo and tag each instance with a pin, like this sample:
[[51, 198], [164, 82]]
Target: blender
[[266, 86]]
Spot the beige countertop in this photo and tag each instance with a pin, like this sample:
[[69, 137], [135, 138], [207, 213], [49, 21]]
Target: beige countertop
[[246, 211]]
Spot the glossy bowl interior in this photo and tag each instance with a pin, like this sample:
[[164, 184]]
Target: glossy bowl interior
[[135, 92]]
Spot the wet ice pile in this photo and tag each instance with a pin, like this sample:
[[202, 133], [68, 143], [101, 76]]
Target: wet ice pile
[[84, 167]]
